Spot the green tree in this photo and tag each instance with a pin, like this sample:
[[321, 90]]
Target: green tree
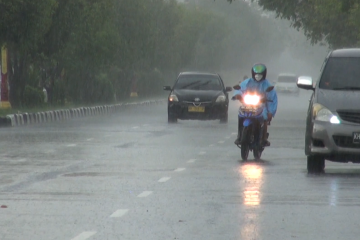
[[335, 22], [23, 25], [86, 51]]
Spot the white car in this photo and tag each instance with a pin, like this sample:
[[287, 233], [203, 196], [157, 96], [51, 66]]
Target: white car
[[286, 83]]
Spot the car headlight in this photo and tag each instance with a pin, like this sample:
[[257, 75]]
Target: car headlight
[[221, 98], [173, 98], [323, 114]]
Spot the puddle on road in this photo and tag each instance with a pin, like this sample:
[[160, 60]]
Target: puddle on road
[[4, 180], [126, 145], [8, 156], [159, 133], [91, 174]]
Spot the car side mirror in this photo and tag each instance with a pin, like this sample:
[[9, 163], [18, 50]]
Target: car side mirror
[[228, 89], [237, 87], [269, 89], [167, 88], [305, 82]]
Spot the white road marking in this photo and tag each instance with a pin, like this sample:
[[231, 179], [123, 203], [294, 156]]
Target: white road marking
[[179, 169], [84, 235], [89, 139], [71, 145], [202, 153], [211, 145], [191, 161], [144, 194], [234, 133], [164, 179], [119, 213], [228, 137], [136, 127], [221, 142]]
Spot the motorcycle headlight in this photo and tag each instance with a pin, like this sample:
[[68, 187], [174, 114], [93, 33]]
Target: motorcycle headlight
[[251, 99], [221, 98], [173, 98], [323, 114]]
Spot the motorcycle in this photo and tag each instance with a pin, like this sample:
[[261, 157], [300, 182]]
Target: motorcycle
[[252, 105]]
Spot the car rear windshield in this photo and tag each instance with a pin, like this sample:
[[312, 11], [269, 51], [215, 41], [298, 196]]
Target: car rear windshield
[[198, 82], [287, 79], [341, 73]]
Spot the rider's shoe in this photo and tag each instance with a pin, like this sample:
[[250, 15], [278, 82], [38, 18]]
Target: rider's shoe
[[237, 141], [266, 143]]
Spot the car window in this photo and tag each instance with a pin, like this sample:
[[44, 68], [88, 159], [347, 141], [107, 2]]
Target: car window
[[341, 72], [287, 79], [198, 83]]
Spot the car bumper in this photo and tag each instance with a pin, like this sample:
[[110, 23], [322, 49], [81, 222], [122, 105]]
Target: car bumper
[[212, 111], [335, 141]]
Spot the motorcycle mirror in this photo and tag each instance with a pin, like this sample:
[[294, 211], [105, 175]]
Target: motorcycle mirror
[[237, 87], [269, 89]]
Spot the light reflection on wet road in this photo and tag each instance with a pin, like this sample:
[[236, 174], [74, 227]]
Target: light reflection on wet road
[[133, 176], [253, 179], [252, 174]]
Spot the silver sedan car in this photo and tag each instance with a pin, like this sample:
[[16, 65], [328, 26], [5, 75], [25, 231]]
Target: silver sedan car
[[333, 119]]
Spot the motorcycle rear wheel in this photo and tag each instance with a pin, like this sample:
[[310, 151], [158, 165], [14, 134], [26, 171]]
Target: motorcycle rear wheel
[[257, 153]]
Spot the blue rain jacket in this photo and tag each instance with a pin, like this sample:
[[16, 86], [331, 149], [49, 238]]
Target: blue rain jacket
[[253, 85]]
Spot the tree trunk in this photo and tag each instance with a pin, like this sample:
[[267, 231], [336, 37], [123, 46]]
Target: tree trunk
[[17, 77], [14, 100]]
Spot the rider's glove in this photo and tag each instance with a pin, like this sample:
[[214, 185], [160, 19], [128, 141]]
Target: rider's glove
[[236, 97]]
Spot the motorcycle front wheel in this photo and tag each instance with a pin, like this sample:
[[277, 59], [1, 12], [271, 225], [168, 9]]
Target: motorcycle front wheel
[[245, 151]]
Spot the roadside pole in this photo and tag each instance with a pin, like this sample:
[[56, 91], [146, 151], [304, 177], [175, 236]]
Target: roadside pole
[[134, 86], [4, 93]]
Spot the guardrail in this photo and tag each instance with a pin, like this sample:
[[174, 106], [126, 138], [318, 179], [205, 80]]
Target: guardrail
[[21, 119]]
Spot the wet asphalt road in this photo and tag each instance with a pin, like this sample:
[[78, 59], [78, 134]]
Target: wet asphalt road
[[133, 176]]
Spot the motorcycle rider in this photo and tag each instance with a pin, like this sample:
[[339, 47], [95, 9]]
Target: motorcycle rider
[[259, 83]]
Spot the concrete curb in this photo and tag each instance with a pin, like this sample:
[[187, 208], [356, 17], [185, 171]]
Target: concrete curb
[[21, 119]]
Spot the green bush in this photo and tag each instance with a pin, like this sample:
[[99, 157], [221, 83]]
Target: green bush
[[34, 76], [59, 92], [33, 97], [104, 90]]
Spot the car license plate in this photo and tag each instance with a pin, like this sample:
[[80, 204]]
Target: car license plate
[[196, 109], [356, 137]]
